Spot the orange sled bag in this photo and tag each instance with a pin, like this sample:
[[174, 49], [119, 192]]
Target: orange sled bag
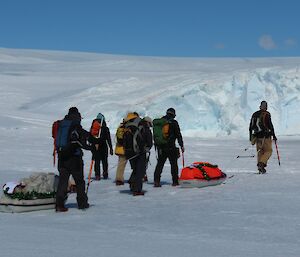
[[201, 174]]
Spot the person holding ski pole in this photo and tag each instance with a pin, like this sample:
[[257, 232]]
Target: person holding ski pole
[[261, 132], [166, 131], [71, 139], [137, 143], [101, 140]]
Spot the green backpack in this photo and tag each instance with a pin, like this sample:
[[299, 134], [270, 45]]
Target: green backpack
[[161, 129]]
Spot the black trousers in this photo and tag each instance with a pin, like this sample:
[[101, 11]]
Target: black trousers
[[163, 155], [66, 167], [138, 165], [104, 165], [100, 155]]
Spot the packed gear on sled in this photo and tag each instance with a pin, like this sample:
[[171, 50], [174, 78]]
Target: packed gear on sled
[[201, 174], [36, 192]]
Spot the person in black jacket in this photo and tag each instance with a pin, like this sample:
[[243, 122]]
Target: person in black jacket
[[70, 162], [169, 151], [100, 144], [137, 144], [261, 132]]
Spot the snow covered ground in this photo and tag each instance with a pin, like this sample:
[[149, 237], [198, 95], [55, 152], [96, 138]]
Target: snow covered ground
[[249, 215]]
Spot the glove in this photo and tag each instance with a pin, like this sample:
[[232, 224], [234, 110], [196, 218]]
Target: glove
[[111, 151], [182, 149], [274, 138]]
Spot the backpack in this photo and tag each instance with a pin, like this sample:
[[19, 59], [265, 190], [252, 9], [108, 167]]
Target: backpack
[[133, 138], [96, 128], [260, 125], [62, 139], [55, 126], [161, 131], [120, 134]]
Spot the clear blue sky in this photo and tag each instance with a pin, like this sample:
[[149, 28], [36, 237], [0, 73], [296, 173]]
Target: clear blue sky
[[213, 28]]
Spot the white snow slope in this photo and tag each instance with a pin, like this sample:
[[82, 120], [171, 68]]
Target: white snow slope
[[249, 215]]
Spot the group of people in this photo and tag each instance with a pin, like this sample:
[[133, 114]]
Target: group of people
[[134, 139]]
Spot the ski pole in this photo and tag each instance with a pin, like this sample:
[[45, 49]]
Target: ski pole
[[182, 158], [245, 156], [89, 177], [245, 149], [278, 157], [54, 156]]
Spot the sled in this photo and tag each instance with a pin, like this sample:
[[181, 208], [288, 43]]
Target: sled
[[10, 205], [34, 193], [201, 174]]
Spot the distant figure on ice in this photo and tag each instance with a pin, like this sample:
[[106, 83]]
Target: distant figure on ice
[[261, 131], [166, 131], [137, 143], [101, 140], [71, 137]]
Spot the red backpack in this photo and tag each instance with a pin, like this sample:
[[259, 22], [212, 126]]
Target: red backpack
[[55, 127], [96, 128]]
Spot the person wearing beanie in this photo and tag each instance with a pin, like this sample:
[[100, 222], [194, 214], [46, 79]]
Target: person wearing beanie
[[100, 140], [70, 159], [120, 150], [169, 150], [137, 144], [261, 132]]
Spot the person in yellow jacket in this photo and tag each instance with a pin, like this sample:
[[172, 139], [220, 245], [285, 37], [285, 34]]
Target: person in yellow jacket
[[119, 149]]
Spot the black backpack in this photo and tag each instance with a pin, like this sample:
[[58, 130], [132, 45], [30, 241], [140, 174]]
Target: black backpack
[[259, 123], [134, 143]]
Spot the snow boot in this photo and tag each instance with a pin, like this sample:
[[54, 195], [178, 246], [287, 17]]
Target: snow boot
[[119, 183], [261, 168], [105, 175], [61, 209], [157, 184], [138, 193], [84, 206]]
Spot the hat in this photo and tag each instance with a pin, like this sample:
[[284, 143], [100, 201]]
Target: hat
[[263, 105], [73, 112], [131, 116], [100, 116], [171, 111], [149, 120]]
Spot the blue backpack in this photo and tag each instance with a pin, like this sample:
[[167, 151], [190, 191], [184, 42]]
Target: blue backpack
[[63, 139]]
